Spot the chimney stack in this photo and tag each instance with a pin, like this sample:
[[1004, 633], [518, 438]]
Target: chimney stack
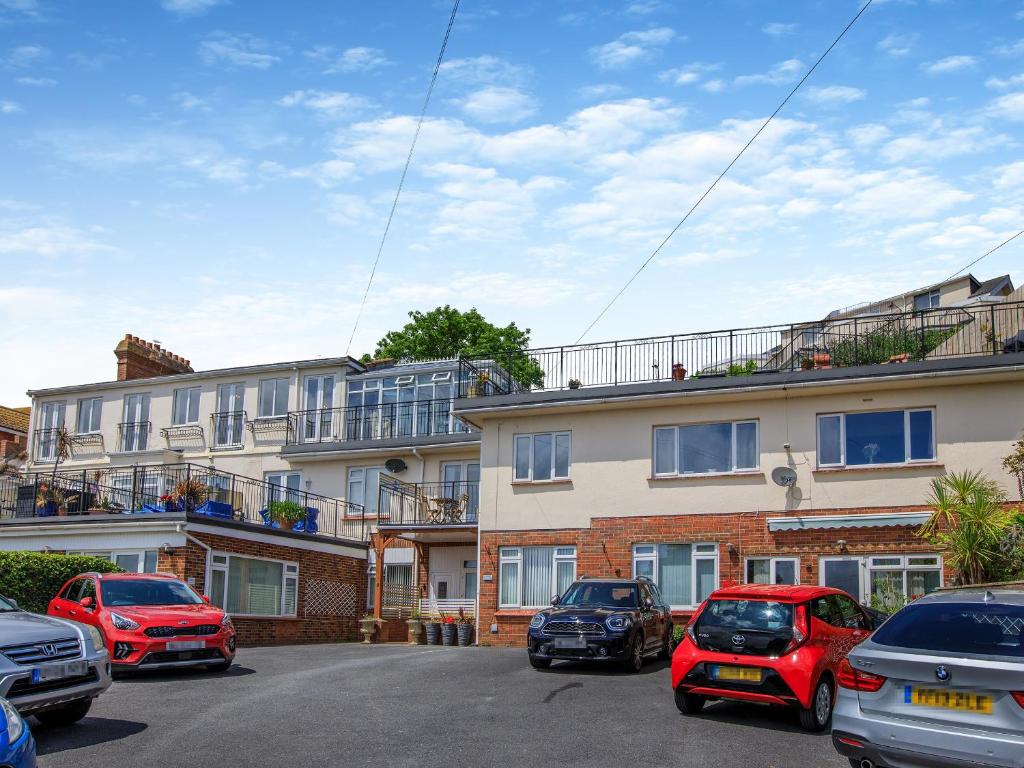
[[140, 359]]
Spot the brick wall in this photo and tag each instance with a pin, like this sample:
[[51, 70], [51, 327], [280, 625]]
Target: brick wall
[[606, 549]]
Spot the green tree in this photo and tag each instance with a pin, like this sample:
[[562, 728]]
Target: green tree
[[446, 332]]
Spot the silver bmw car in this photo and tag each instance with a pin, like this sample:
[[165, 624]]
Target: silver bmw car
[[939, 685]]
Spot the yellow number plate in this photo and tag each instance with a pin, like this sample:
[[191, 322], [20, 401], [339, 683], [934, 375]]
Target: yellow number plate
[[744, 674], [965, 701]]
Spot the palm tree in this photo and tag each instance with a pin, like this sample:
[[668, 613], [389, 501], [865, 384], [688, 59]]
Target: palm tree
[[969, 521]]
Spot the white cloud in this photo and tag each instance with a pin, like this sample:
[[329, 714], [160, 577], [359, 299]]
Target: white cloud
[[236, 50], [644, 7], [951, 64], [481, 70], [190, 102], [498, 104], [832, 95], [331, 103], [631, 47], [1010, 49], [600, 91], [897, 45], [189, 7], [714, 86], [783, 72], [37, 81], [20, 10], [1005, 83], [357, 59], [1010, 106], [23, 56], [778, 29], [901, 195], [8, 107], [687, 74], [869, 134], [46, 240]]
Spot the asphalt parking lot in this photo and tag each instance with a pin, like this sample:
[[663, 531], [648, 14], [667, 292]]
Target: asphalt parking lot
[[332, 705]]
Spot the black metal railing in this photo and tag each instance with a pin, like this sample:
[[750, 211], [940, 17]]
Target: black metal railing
[[228, 429], [133, 436], [449, 503], [374, 422], [45, 444], [932, 334], [193, 489]]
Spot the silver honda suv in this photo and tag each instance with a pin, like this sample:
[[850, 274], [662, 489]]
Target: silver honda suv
[[49, 667]]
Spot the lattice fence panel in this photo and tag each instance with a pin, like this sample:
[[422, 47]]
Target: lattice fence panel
[[330, 598]]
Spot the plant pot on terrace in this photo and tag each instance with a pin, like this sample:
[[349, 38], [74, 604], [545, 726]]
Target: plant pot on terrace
[[448, 633], [367, 625], [415, 628], [465, 634], [433, 632], [678, 372]]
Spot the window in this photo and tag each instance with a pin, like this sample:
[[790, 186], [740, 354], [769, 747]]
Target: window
[[773, 570], [469, 579], [364, 488], [685, 574], [926, 300], [542, 457], [50, 418], [134, 561], [530, 576], [908, 576], [186, 406], [254, 587], [876, 438], [273, 398], [952, 629], [697, 449], [284, 486], [89, 415], [135, 429]]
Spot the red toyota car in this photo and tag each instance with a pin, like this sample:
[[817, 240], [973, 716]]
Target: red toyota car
[[769, 644], [149, 620]]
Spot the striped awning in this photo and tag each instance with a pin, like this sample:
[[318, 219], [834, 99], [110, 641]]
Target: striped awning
[[817, 522]]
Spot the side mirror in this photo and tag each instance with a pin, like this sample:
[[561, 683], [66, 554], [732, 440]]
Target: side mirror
[[648, 603], [13, 602], [206, 599], [555, 600], [88, 603]]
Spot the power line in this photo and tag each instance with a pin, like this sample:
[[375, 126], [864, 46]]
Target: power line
[[964, 269], [723, 173], [405, 170]]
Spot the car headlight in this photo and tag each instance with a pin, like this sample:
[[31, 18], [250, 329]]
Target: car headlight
[[98, 643], [15, 725], [619, 622], [537, 621], [123, 622], [226, 622]]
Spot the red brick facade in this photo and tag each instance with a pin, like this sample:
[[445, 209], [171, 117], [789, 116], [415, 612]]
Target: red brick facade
[[606, 549]]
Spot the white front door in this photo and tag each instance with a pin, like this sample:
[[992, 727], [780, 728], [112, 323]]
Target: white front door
[[441, 588], [135, 429], [230, 417], [319, 400], [843, 573]]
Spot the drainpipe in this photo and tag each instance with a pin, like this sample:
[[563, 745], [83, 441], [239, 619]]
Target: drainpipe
[[422, 461], [423, 472]]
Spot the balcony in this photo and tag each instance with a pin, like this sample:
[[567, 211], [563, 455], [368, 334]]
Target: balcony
[[418, 505], [228, 429], [353, 427], [176, 491], [133, 436], [940, 334]]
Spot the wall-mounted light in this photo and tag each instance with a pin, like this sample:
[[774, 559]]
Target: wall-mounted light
[[309, 484], [841, 544], [165, 548], [730, 546]]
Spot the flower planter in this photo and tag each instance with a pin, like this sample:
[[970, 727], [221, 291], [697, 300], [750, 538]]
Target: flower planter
[[433, 632], [448, 634], [367, 627], [465, 634], [678, 372], [47, 509], [415, 627]]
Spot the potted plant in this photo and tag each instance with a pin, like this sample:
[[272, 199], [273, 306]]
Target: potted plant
[[415, 627], [169, 502], [51, 501], [448, 630], [433, 630], [367, 625], [575, 383], [287, 513], [190, 494], [678, 371], [464, 627], [806, 364]]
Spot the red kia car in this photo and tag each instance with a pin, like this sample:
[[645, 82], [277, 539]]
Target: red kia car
[[769, 644], [149, 620]]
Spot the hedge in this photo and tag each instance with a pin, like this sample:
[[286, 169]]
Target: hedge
[[33, 578]]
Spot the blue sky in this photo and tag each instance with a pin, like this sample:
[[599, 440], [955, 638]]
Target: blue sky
[[216, 174]]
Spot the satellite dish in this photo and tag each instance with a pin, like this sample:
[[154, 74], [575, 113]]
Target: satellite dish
[[395, 466], [784, 476]]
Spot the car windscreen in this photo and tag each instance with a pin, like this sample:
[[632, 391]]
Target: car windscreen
[[589, 593], [747, 614], [5, 606], [976, 628], [147, 592]]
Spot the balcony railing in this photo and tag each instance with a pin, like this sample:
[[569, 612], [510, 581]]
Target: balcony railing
[[418, 504], [198, 491], [374, 422], [932, 334], [228, 429], [45, 445], [133, 436]]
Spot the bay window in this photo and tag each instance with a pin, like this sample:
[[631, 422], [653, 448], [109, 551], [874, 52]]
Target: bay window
[[700, 449], [876, 438], [529, 576], [773, 570], [542, 457], [249, 586], [684, 573]]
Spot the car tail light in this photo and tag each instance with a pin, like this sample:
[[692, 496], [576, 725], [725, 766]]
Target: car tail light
[[801, 629], [1018, 696], [856, 680], [850, 742]]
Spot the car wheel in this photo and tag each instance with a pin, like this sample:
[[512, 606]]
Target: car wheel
[[635, 660], [689, 703], [66, 715], [817, 716], [220, 666], [539, 663], [666, 649]]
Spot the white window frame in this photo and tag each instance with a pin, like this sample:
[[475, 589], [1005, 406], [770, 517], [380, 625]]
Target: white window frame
[[532, 436], [508, 555], [906, 438], [110, 554], [52, 415], [648, 552], [282, 491], [190, 393], [771, 567], [95, 407], [276, 407], [289, 576], [677, 471], [360, 472], [867, 564], [934, 297]]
